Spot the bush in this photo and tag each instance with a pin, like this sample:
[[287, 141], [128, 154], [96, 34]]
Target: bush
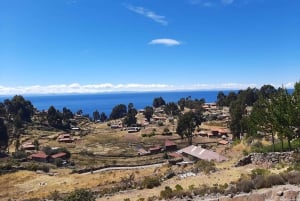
[[201, 190], [259, 171], [205, 166], [245, 186], [274, 179], [151, 182], [80, 195], [259, 182], [34, 167], [292, 177], [167, 193], [19, 154]]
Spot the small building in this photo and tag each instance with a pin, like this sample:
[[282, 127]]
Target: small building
[[28, 146], [142, 152], [198, 153], [61, 155], [155, 150], [40, 157], [170, 145], [65, 138]]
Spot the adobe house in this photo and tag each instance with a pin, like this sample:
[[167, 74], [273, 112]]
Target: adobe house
[[40, 157], [61, 155], [170, 145], [65, 138], [155, 150]]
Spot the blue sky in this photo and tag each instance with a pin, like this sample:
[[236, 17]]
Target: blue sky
[[64, 46]]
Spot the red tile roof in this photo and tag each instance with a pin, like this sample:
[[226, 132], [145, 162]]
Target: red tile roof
[[169, 143], [39, 155], [175, 155], [58, 155]]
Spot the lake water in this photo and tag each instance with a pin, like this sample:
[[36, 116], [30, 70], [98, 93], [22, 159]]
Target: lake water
[[106, 101]]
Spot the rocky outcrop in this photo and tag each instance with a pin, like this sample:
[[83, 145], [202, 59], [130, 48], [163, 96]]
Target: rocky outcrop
[[270, 158]]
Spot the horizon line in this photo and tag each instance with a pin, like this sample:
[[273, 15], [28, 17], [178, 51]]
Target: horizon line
[[77, 89]]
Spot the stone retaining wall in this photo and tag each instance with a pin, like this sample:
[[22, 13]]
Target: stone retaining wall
[[267, 158]]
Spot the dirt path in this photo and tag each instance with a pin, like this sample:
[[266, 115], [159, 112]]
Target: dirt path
[[125, 168]]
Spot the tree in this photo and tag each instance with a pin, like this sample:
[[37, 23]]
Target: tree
[[158, 102], [54, 117], [267, 91], [221, 99], [103, 117], [181, 104], [18, 105], [96, 115], [172, 109], [237, 111], [130, 118], [148, 113], [187, 124], [118, 111], [3, 135]]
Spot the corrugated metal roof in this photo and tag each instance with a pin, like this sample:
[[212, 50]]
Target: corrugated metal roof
[[201, 153]]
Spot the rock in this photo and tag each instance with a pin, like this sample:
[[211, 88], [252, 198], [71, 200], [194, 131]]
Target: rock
[[279, 193]]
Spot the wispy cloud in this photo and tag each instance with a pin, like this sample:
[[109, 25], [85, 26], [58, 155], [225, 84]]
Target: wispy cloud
[[149, 14], [131, 87], [227, 1], [164, 41], [211, 3]]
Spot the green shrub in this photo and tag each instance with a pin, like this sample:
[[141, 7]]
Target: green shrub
[[205, 166], [80, 195], [19, 154], [167, 193], [151, 182], [259, 171]]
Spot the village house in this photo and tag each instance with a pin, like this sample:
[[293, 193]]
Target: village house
[[28, 146], [61, 155], [170, 145], [40, 157], [155, 150], [65, 138]]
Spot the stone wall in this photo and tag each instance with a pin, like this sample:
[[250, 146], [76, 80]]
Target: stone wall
[[268, 159]]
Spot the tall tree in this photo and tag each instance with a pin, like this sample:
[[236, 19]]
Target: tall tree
[[148, 113], [130, 118], [237, 113], [3, 135], [158, 102], [96, 115], [172, 109], [103, 117], [118, 111], [187, 123]]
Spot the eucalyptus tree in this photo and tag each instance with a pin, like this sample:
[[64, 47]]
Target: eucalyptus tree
[[148, 113], [187, 123]]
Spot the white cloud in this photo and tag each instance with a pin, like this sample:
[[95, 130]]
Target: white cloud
[[149, 14], [164, 41], [131, 87]]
